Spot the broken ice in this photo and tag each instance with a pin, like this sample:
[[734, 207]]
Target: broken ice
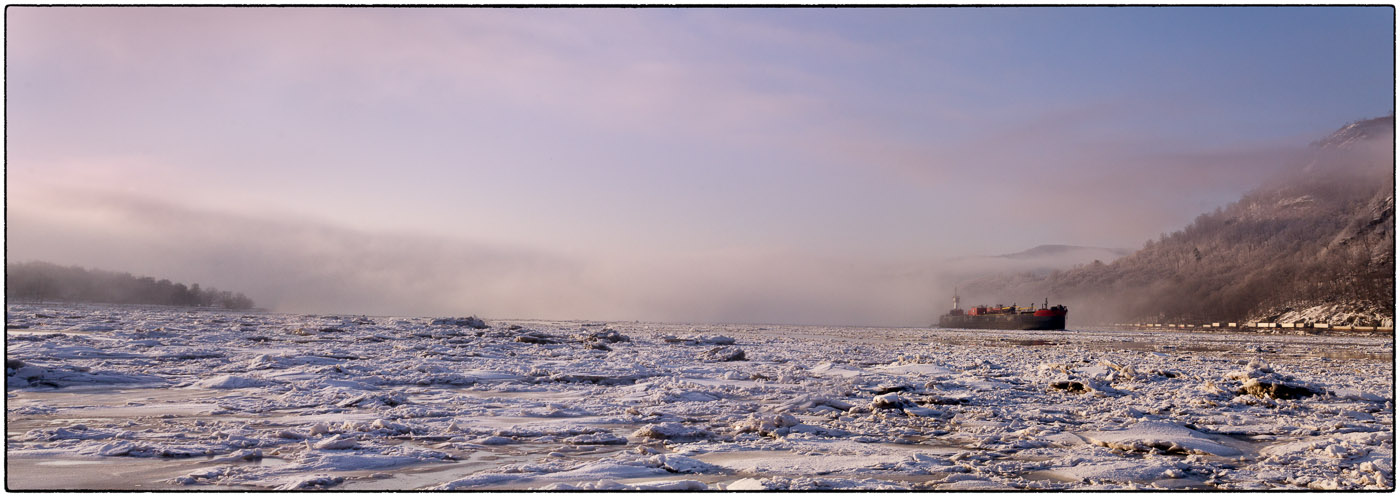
[[165, 398]]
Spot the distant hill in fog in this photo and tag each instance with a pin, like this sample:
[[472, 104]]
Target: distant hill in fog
[[1068, 252], [1315, 243], [46, 281], [1040, 259]]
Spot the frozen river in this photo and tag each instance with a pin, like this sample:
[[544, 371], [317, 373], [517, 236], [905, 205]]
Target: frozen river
[[133, 398]]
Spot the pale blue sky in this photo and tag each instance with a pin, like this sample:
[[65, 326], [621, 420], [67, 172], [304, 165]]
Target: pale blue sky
[[739, 152]]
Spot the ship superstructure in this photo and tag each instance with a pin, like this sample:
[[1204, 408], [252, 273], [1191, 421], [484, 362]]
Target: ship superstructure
[[999, 317]]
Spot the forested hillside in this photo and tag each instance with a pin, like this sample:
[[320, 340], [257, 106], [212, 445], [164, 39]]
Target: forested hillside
[[45, 281], [1317, 244]]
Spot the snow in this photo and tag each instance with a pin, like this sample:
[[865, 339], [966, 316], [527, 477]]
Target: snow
[[164, 398]]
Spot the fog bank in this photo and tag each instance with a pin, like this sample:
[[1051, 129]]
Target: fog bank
[[299, 265]]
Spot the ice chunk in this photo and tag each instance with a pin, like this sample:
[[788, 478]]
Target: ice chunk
[[1276, 389], [537, 337], [389, 426], [1120, 471], [67, 376], [608, 468], [890, 401], [813, 402], [974, 483], [1161, 435], [677, 463], [336, 442], [607, 335], [481, 480], [230, 381], [1356, 394], [922, 411], [751, 484], [723, 354], [310, 482], [470, 321], [767, 424], [1090, 386], [1070, 386], [389, 399], [672, 431], [1262, 381], [670, 486], [601, 438], [610, 485], [920, 369], [699, 340], [365, 459], [829, 369], [691, 396], [805, 483]]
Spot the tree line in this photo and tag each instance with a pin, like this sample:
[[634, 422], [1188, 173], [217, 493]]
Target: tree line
[[46, 281]]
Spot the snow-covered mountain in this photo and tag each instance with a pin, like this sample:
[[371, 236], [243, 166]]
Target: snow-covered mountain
[[1357, 132]]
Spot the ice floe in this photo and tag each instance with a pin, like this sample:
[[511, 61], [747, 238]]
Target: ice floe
[[1161, 436], [207, 399]]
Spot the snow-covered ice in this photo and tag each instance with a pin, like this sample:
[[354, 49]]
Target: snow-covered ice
[[144, 398]]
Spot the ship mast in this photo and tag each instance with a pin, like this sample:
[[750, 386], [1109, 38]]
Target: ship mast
[[955, 298]]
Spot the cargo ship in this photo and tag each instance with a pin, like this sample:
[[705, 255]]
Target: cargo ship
[[1000, 317]]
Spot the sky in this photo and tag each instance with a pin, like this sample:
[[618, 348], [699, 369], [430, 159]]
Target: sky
[[806, 166]]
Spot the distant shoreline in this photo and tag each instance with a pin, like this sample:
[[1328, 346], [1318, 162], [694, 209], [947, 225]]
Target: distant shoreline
[[10, 301]]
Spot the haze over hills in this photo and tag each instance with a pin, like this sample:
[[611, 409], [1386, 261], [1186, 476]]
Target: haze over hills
[[1040, 260], [1066, 251], [1315, 244]]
